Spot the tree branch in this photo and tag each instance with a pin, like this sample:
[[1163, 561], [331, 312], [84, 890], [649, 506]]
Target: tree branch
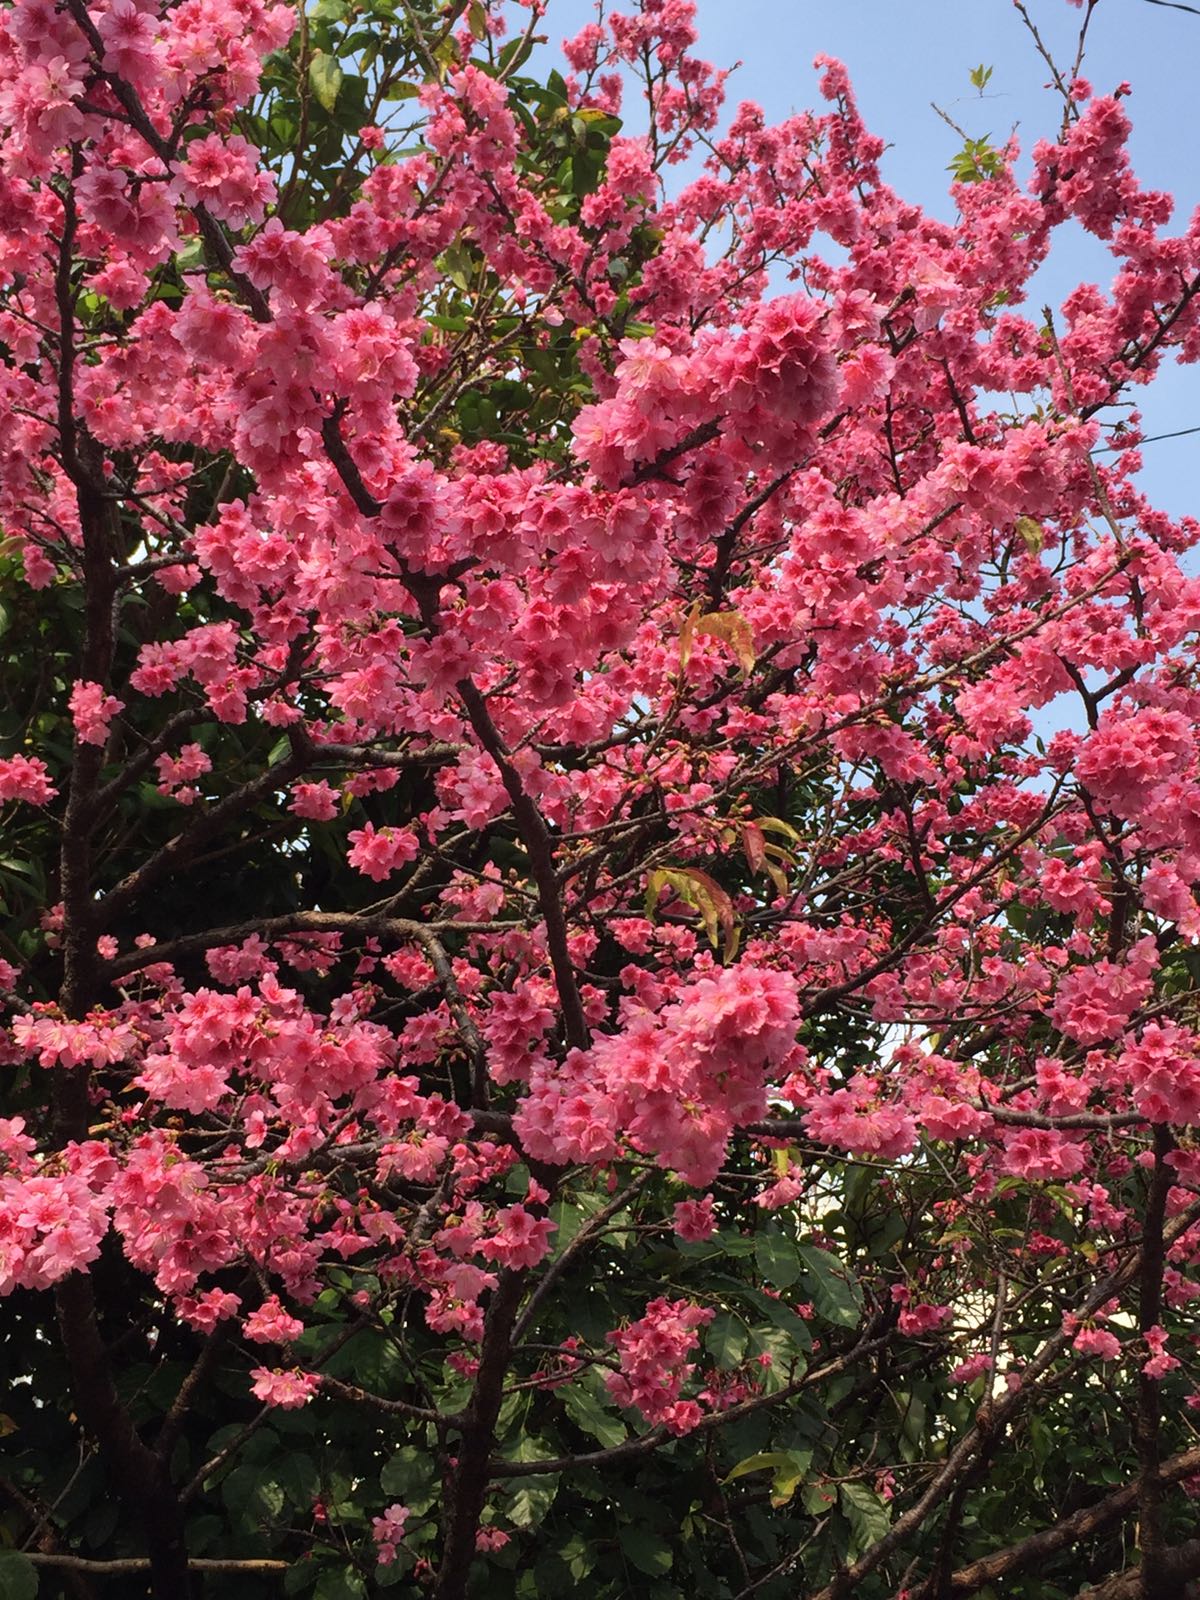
[[130, 1564], [467, 1489], [994, 1416], [1072, 1530], [560, 1264], [536, 838], [717, 1419], [178, 851]]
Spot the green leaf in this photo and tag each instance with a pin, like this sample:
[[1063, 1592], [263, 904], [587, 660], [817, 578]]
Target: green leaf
[[788, 1469], [533, 1496], [532, 1500], [787, 1363], [726, 1339], [646, 1551], [586, 1412], [252, 1493], [913, 1419], [190, 255], [783, 1317], [407, 1473], [18, 1576], [778, 1260], [569, 1216], [835, 1294], [325, 79], [103, 1517], [727, 1243], [976, 161], [340, 1583], [515, 53], [867, 1514], [299, 1576], [298, 1477], [817, 1499], [762, 1461], [788, 1478], [577, 1556]]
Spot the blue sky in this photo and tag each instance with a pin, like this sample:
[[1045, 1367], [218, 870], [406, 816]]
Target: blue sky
[[903, 54]]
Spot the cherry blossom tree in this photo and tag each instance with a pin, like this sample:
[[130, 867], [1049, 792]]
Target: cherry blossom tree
[[563, 1026]]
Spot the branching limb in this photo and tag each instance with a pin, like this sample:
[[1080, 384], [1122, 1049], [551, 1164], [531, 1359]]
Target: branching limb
[[1064, 1535]]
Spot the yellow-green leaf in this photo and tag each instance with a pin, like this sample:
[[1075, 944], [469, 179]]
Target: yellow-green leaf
[[1032, 534], [758, 1463], [687, 636], [732, 629], [325, 78], [703, 894], [778, 825], [788, 1469]]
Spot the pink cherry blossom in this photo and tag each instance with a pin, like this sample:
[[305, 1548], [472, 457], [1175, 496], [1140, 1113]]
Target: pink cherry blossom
[[287, 1388]]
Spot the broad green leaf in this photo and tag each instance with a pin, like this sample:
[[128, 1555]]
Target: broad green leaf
[[788, 1469], [299, 1576], [18, 1576], [646, 1551], [407, 1473], [783, 1317], [913, 1419], [340, 1583], [787, 1362], [400, 1572], [252, 1492], [298, 1477], [817, 1498], [867, 1514], [587, 1413], [777, 825], [325, 79], [787, 1479], [835, 1294], [778, 1260], [529, 1448], [729, 1243], [531, 1501], [726, 1339], [763, 1461], [577, 1555], [571, 1215]]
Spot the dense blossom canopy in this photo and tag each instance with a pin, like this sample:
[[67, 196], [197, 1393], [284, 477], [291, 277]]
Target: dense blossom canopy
[[562, 1022]]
